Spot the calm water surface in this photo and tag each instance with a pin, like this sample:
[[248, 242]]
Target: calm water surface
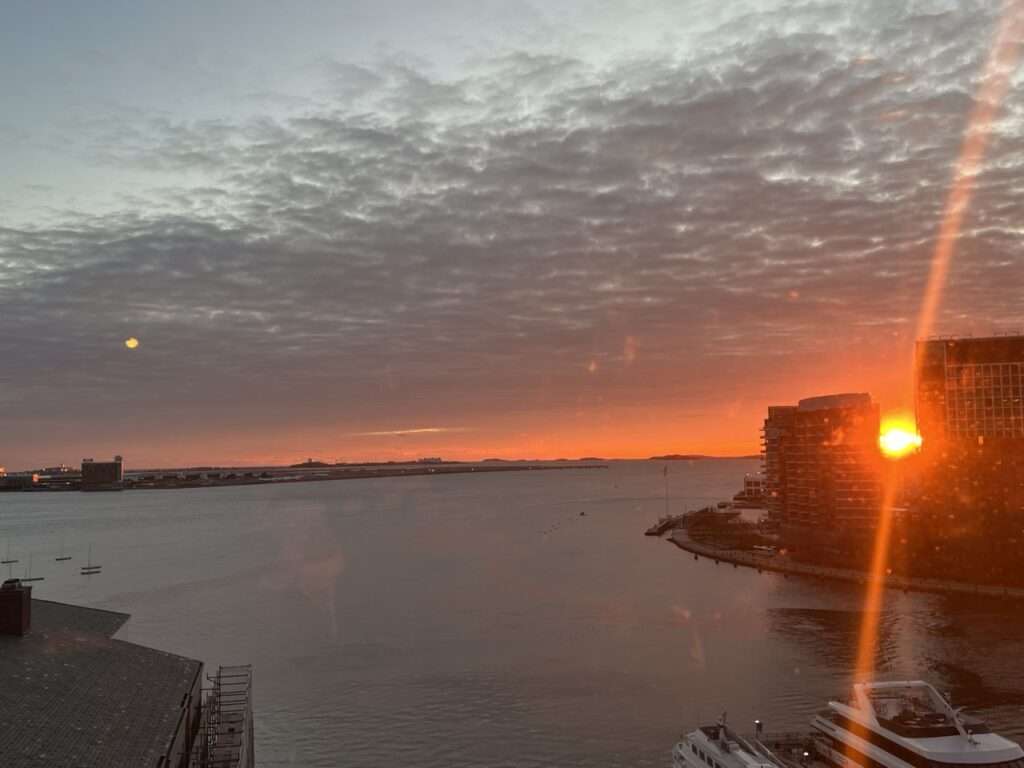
[[482, 620]]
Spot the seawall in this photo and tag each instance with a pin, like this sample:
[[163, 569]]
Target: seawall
[[781, 564]]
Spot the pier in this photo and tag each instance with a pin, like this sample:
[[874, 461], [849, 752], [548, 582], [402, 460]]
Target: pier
[[781, 564], [665, 524]]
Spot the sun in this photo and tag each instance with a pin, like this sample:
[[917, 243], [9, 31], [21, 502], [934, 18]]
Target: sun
[[898, 438], [131, 342]]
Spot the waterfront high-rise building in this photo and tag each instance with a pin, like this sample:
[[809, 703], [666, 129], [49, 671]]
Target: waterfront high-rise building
[[775, 437], [970, 388], [822, 470], [970, 412]]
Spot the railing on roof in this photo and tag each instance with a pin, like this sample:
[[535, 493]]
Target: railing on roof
[[225, 738]]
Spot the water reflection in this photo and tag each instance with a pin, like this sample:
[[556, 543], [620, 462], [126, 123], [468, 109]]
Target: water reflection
[[832, 635], [482, 621], [968, 647]]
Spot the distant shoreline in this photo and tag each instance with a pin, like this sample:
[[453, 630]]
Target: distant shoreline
[[697, 457], [292, 475], [410, 463]]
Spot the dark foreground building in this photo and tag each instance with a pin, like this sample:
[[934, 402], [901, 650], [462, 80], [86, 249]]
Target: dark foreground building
[[822, 472], [72, 695], [970, 388], [970, 413]]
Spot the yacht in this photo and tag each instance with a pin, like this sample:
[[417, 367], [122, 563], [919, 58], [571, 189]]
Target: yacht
[[906, 725], [718, 746]]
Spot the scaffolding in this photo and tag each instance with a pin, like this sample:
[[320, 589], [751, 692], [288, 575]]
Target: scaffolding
[[225, 738]]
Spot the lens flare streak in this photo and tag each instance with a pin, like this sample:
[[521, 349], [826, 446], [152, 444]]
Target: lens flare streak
[[999, 69]]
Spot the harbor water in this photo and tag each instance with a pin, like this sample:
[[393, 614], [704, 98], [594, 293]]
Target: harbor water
[[508, 619]]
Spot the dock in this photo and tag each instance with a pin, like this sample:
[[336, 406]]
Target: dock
[[665, 524]]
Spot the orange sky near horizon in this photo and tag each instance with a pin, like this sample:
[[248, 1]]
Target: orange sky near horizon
[[600, 420], [551, 251]]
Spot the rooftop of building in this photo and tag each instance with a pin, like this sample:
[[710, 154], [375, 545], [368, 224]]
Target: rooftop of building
[[970, 338], [970, 350], [74, 695], [841, 400]]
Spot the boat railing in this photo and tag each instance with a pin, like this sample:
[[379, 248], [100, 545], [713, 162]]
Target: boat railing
[[775, 745]]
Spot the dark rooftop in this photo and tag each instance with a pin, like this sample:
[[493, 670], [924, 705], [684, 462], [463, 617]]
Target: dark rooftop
[[72, 695]]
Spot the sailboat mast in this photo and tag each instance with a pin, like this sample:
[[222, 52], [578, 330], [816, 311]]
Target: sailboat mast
[[665, 474]]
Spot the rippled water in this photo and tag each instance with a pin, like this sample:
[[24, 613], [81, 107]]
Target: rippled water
[[481, 620]]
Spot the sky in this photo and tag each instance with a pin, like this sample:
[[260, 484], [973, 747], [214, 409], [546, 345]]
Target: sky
[[471, 228]]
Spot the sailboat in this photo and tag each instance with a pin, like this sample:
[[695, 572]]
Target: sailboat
[[28, 573], [89, 569], [7, 560], [62, 556]]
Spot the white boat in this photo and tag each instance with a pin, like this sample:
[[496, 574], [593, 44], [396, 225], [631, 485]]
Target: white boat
[[907, 724], [718, 746]]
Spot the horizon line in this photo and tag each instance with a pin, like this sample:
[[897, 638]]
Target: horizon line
[[362, 462]]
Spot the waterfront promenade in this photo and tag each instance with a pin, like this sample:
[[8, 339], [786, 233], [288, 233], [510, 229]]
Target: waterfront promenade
[[781, 564]]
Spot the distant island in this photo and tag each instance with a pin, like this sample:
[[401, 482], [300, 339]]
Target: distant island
[[308, 463], [582, 458], [698, 457]]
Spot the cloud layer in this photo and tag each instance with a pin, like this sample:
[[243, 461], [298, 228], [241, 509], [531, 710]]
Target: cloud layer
[[542, 239]]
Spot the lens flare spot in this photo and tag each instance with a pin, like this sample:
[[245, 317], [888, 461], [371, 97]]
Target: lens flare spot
[[131, 343], [899, 438]]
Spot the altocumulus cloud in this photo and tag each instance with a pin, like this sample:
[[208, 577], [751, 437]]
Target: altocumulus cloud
[[411, 431], [486, 237]]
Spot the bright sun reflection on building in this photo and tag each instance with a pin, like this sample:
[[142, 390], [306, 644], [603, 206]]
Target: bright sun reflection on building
[[898, 438]]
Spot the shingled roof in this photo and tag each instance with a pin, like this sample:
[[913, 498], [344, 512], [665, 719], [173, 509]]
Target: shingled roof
[[71, 695]]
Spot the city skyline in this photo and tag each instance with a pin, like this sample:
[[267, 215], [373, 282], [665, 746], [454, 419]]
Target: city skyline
[[405, 239]]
